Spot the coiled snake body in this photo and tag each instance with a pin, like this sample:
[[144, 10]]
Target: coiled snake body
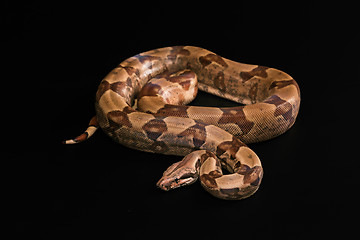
[[208, 137]]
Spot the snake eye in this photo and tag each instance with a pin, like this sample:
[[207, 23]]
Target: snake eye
[[176, 180]]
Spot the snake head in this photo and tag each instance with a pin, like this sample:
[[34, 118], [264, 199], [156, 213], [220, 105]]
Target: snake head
[[178, 174]]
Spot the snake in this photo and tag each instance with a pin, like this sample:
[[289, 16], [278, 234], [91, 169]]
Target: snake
[[142, 104]]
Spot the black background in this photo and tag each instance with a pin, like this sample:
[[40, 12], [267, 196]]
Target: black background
[[56, 55]]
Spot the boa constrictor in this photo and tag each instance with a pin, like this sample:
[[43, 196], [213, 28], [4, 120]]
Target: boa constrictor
[[208, 137]]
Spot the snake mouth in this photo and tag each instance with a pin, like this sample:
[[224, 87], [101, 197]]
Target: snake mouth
[[166, 183]]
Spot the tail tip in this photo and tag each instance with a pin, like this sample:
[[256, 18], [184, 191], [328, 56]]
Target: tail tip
[[70, 141]]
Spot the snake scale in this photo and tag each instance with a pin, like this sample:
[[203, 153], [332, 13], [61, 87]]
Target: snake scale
[[162, 81]]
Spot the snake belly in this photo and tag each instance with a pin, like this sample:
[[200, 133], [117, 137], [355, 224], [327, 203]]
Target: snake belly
[[219, 135]]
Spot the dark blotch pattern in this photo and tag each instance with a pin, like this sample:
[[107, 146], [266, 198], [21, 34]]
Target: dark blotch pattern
[[147, 59], [207, 155], [259, 71], [103, 87], [184, 79], [241, 168], [236, 115], [283, 83], [131, 70], [173, 110], [253, 176], [211, 57], [197, 133], [283, 107], [209, 179], [253, 92], [149, 89], [124, 89], [177, 50], [232, 192], [232, 147], [219, 81], [118, 119], [154, 128]]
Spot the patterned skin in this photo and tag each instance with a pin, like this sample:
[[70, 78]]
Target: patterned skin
[[208, 137]]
